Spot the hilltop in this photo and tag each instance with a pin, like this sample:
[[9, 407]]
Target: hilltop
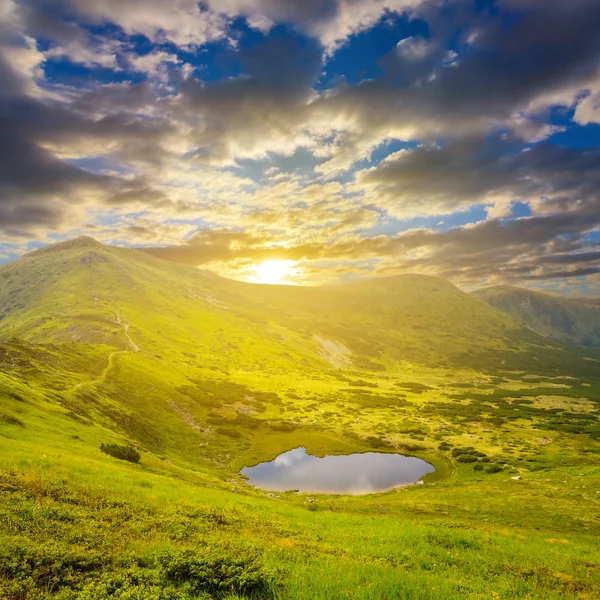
[[574, 321], [77, 291], [199, 375]]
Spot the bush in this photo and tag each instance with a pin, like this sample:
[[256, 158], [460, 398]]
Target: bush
[[10, 420], [411, 447], [217, 572], [377, 442], [469, 451], [493, 469], [48, 565], [121, 452], [232, 433]]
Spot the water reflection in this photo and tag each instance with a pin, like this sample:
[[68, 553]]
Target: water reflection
[[350, 474]]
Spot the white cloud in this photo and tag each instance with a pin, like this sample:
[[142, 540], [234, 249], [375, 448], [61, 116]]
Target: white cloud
[[155, 64], [588, 110], [414, 48], [182, 22]]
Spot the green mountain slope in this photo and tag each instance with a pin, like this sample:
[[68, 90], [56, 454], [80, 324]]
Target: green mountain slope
[[143, 346], [567, 320], [83, 292], [203, 375]]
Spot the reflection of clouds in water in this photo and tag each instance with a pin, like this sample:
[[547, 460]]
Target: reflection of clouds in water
[[287, 459], [363, 485], [352, 474]]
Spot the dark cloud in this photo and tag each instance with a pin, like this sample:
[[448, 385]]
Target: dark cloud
[[263, 109], [38, 189], [434, 179], [32, 180], [543, 47], [571, 259], [504, 72], [565, 274]]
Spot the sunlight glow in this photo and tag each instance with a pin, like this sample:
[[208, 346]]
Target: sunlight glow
[[274, 271]]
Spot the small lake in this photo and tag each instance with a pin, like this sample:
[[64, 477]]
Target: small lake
[[349, 474]]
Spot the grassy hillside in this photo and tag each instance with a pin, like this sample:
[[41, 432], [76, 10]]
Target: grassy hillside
[[572, 321], [203, 375]]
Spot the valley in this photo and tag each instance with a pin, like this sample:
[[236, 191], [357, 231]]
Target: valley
[[204, 376]]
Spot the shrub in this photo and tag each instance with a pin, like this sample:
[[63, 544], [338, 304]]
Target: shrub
[[493, 469], [411, 447], [130, 584], [49, 565], [462, 453], [232, 433], [377, 442], [217, 572], [285, 426], [10, 420], [452, 541], [121, 452], [417, 388], [362, 383]]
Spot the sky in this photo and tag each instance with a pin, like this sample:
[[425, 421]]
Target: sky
[[309, 141]]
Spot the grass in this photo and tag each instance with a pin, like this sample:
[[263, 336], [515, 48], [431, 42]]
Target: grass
[[72, 525]]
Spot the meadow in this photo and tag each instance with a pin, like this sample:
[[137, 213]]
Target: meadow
[[199, 377]]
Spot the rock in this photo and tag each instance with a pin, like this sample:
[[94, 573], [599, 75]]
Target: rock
[[516, 478]]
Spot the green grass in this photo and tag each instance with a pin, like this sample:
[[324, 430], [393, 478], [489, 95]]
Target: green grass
[[73, 523]]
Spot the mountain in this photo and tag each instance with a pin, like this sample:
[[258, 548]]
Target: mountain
[[83, 292], [111, 354], [574, 321], [117, 337]]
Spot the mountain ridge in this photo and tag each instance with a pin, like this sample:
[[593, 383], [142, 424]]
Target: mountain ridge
[[568, 320], [81, 285]]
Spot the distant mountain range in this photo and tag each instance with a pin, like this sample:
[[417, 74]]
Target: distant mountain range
[[574, 321]]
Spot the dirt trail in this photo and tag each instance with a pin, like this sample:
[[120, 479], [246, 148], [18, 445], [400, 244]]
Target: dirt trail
[[125, 326], [111, 359]]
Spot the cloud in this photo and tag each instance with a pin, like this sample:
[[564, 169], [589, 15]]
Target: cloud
[[433, 179], [188, 23], [265, 109], [588, 109], [496, 250], [502, 77], [178, 118], [182, 22], [40, 188]]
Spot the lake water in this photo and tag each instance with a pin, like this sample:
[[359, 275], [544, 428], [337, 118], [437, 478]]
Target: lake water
[[349, 474]]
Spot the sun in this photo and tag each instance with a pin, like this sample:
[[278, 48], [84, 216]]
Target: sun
[[273, 271]]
